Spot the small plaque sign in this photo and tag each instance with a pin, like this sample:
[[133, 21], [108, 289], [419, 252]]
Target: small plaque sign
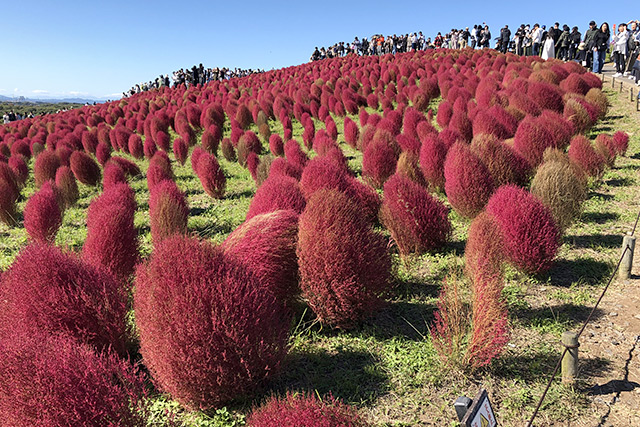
[[480, 414]]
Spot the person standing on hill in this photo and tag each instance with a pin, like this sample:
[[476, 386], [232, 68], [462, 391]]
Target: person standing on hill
[[600, 45], [589, 36], [505, 36], [562, 45], [574, 42], [536, 38], [620, 49]]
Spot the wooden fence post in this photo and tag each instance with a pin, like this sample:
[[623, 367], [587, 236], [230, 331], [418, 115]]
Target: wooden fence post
[[570, 359]]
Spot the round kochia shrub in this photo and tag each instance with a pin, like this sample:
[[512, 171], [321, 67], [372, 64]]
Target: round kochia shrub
[[9, 193], [529, 233], [418, 222], [583, 154], [211, 176], [305, 410], [558, 185], [209, 332], [344, 264], [55, 292], [468, 183], [378, 162], [277, 192], [112, 239], [42, 215], [484, 252], [67, 186], [86, 170], [168, 211], [432, 156], [55, 381], [266, 246], [45, 167]]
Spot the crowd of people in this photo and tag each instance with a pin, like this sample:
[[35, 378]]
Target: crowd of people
[[190, 76], [11, 116], [564, 43]]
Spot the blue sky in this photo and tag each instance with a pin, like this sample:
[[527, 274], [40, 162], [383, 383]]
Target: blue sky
[[100, 49]]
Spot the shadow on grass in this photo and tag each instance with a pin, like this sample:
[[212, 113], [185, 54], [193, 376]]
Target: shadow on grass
[[556, 317], [608, 241], [602, 196], [406, 320], [240, 195], [566, 272], [599, 217], [354, 376], [619, 182], [207, 230]]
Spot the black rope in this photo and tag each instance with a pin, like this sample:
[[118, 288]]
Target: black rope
[[593, 310]]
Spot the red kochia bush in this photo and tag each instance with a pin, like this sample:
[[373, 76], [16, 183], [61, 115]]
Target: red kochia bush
[[181, 150], [378, 162], [344, 264], [211, 176], [67, 186], [432, 156], [112, 175], [168, 211], [468, 183], [135, 146], [266, 246], [620, 142], [45, 167], [530, 236], [583, 154], [294, 154], [484, 253], [198, 310], [9, 193], [103, 152], [42, 215], [276, 193], [19, 168], [504, 164], [418, 222], [54, 381], [85, 169], [55, 292], [276, 145], [351, 132], [305, 410], [112, 239]]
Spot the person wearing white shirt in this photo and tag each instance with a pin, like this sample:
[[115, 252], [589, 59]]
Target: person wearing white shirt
[[620, 49], [536, 38]]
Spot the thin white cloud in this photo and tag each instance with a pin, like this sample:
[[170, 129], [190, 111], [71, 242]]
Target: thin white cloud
[[40, 91], [75, 93]]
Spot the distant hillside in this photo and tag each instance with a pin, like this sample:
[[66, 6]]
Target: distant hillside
[[35, 108], [22, 99]]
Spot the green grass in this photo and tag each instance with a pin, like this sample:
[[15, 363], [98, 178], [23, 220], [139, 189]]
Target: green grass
[[387, 366]]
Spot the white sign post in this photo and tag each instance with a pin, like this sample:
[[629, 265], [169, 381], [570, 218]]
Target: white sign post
[[480, 414]]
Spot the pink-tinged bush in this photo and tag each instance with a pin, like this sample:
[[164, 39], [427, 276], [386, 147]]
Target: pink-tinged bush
[[532, 138], [249, 143], [489, 122], [409, 166], [281, 167], [252, 165], [168, 211], [604, 147], [243, 116], [48, 290], [504, 164], [21, 147], [112, 175], [85, 169], [19, 168], [180, 150], [211, 138], [129, 168], [211, 176], [278, 192], [411, 120], [583, 154], [198, 310], [305, 410], [294, 154], [530, 236], [546, 95], [156, 173], [149, 148], [378, 162], [228, 150], [90, 141], [103, 153], [64, 154], [576, 84], [163, 140], [112, 239], [9, 194], [468, 183], [67, 186], [52, 380], [484, 252], [445, 111], [195, 156], [418, 222], [136, 149], [432, 156], [408, 144], [276, 146], [620, 143], [42, 214], [45, 167], [461, 123], [266, 246], [344, 264]]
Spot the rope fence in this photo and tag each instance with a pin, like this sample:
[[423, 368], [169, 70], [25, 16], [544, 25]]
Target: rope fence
[[586, 322]]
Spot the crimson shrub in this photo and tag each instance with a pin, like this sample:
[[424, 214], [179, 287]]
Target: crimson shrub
[[168, 211], [468, 183], [42, 215]]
